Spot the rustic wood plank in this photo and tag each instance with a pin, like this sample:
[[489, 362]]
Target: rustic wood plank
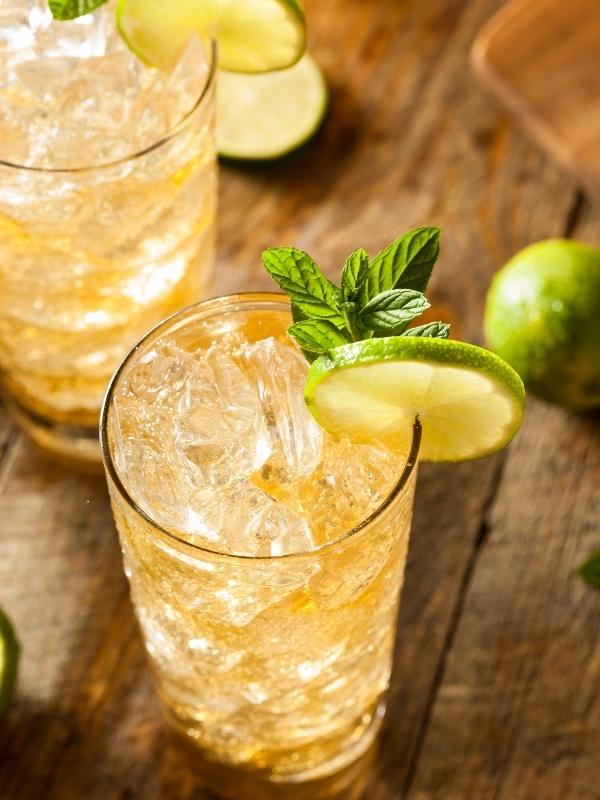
[[410, 140], [517, 716]]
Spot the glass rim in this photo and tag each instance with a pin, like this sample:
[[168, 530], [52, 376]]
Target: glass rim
[[113, 474], [137, 154]]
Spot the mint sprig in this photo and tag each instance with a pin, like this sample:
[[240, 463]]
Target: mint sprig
[[377, 297], [71, 9]]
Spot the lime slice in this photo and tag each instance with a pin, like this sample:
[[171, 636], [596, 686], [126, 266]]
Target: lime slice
[[252, 36], [267, 116], [9, 660], [469, 401]]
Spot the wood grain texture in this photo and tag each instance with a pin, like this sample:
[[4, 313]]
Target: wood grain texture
[[542, 59], [410, 140], [517, 714]]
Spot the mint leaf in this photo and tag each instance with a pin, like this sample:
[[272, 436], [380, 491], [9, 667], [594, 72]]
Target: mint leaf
[[317, 336], [310, 291], [297, 314], [354, 275], [406, 263], [392, 311], [70, 9], [590, 569], [353, 280], [435, 330]]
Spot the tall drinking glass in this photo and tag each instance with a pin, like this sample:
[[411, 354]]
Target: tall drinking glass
[[265, 557], [107, 210]]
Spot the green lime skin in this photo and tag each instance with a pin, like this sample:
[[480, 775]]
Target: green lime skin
[[542, 316], [9, 660]]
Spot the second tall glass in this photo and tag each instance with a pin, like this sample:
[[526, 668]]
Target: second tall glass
[[107, 211]]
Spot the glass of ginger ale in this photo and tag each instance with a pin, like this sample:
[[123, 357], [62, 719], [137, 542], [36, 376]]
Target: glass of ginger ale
[[265, 556], [107, 210]]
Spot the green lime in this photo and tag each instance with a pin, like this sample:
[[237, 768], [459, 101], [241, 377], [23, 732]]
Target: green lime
[[252, 36], [9, 660], [543, 316], [469, 401], [267, 116]]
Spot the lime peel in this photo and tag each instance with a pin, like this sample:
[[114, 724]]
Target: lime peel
[[9, 660]]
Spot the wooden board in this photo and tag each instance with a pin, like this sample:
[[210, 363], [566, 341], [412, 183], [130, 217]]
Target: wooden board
[[542, 59], [410, 140]]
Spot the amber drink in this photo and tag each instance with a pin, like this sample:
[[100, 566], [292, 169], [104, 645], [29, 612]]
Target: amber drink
[[265, 556], [107, 209]]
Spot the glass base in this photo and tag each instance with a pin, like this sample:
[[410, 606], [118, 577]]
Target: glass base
[[73, 446], [343, 777]]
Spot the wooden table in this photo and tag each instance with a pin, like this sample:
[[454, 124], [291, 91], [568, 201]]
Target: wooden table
[[495, 688]]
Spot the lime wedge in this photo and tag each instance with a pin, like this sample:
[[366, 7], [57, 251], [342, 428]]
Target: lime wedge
[[267, 116], [469, 401], [252, 36], [9, 660]]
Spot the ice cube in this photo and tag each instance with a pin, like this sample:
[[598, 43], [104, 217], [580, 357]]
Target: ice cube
[[16, 38], [151, 483], [351, 482], [143, 433], [240, 600], [242, 520], [47, 79], [84, 37], [163, 372], [280, 372], [222, 434], [273, 529], [109, 110]]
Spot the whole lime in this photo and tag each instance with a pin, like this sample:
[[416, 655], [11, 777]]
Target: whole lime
[[543, 316]]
